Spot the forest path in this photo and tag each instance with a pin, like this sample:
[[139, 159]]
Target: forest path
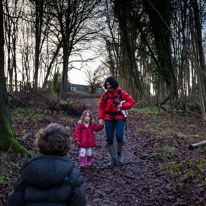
[[140, 180], [158, 168]]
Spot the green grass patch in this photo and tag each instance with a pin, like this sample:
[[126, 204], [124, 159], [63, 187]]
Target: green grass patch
[[79, 92], [25, 114], [67, 119], [6, 167], [166, 153], [138, 129], [187, 169], [52, 94]]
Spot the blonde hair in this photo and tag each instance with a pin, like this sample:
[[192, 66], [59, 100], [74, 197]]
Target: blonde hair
[[84, 115]]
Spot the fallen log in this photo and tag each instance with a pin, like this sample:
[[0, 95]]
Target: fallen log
[[17, 99], [194, 113], [196, 145], [163, 108], [189, 136], [164, 101]]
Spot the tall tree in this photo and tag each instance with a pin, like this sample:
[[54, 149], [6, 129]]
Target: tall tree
[[71, 20], [162, 39], [198, 28], [127, 25], [96, 78], [8, 31], [6, 135], [39, 4]]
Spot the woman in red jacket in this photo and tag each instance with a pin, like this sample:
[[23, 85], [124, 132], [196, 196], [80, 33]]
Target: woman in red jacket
[[111, 113]]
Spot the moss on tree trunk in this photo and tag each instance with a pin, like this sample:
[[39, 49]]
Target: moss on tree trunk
[[6, 135], [7, 138]]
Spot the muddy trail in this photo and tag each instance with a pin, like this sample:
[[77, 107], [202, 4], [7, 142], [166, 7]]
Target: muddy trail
[[158, 168], [141, 179]]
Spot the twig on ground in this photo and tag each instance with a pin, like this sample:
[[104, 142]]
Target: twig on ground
[[194, 113], [196, 145], [107, 167], [130, 177]]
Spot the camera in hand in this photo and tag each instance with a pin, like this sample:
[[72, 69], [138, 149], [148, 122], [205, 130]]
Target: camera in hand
[[117, 102]]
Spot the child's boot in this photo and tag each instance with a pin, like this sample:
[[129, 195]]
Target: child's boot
[[89, 158], [82, 161]]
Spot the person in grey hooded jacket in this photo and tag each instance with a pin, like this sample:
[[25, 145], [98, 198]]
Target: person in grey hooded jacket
[[49, 179]]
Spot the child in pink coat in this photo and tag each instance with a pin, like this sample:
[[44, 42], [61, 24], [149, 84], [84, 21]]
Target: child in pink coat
[[85, 137]]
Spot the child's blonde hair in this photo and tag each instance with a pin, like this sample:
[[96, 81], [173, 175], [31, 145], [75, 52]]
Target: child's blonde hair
[[84, 115]]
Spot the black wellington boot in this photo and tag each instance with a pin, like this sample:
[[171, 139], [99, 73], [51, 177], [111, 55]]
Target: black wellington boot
[[119, 152], [112, 154]]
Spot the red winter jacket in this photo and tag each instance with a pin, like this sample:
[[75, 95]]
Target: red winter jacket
[[85, 135], [107, 107]]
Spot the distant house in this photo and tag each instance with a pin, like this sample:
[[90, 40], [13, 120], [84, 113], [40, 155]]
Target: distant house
[[74, 87], [86, 88], [99, 90]]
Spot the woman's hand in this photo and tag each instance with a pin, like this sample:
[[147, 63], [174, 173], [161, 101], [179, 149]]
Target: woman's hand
[[101, 122]]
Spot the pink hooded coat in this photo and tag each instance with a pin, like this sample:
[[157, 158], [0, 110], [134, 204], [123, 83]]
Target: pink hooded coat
[[85, 135]]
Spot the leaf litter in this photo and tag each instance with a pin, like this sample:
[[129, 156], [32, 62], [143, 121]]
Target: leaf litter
[[158, 167]]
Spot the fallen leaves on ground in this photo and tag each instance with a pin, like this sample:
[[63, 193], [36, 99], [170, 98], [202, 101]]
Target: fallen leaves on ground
[[158, 167]]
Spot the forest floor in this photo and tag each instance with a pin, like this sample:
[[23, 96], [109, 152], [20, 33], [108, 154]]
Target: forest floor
[[158, 167]]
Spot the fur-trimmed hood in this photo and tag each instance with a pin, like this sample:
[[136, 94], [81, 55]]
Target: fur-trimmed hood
[[80, 122]]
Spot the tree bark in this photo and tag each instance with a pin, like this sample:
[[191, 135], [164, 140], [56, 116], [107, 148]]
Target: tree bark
[[63, 92], [7, 140], [39, 16], [8, 43], [51, 63], [14, 56], [199, 80], [128, 41], [199, 39]]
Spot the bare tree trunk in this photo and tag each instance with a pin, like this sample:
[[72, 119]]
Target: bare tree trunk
[[7, 140], [199, 39], [27, 60], [38, 25], [111, 62], [194, 88], [188, 78], [63, 92], [14, 56], [129, 42], [51, 63], [132, 87], [199, 82], [124, 67], [200, 89], [10, 69]]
